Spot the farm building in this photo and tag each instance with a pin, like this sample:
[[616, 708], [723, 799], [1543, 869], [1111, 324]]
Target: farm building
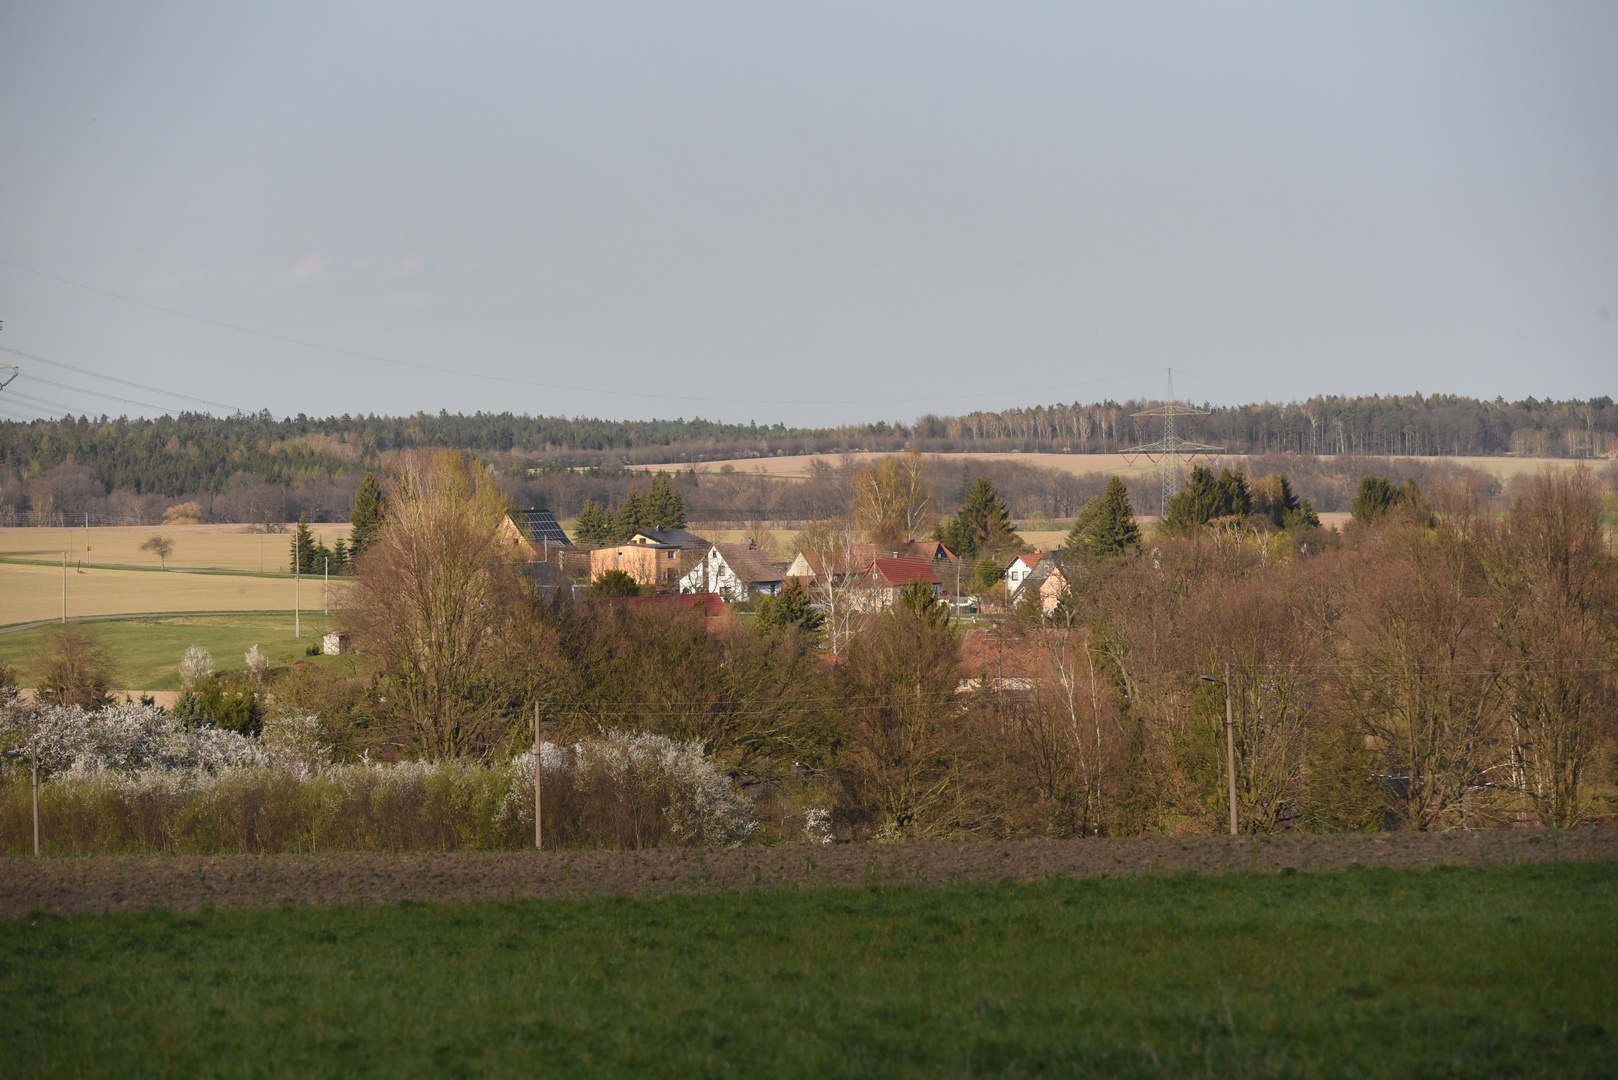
[[652, 556]]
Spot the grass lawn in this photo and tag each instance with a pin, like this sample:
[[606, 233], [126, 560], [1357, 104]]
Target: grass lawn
[[1474, 973], [148, 651]]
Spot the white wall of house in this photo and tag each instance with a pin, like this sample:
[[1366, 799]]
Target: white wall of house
[[714, 574]]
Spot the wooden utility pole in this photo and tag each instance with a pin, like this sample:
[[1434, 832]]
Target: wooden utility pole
[[1230, 749], [297, 628], [64, 588], [539, 834], [325, 587]]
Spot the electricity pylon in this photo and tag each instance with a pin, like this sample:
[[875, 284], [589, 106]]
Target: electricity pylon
[[1170, 453]]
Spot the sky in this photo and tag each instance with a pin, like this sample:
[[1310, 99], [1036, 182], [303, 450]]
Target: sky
[[812, 214]]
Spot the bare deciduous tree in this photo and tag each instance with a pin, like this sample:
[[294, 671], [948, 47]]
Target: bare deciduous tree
[[430, 595], [162, 547]]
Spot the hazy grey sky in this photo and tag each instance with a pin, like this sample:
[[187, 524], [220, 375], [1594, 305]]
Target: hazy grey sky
[[812, 214]]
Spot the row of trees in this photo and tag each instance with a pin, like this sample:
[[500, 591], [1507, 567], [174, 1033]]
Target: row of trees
[[662, 507], [1453, 670], [194, 455]]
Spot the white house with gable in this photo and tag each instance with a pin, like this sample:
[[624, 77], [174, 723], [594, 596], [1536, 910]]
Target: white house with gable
[[736, 572]]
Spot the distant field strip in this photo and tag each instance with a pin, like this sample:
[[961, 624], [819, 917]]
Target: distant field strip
[[29, 593], [797, 466], [201, 547], [185, 883]]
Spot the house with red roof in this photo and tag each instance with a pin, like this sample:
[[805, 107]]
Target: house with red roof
[[880, 586]]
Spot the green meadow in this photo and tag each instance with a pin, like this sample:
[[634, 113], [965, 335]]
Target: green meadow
[[148, 651], [1377, 973]]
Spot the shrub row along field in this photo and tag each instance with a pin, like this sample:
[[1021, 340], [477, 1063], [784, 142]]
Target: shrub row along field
[[1375, 973]]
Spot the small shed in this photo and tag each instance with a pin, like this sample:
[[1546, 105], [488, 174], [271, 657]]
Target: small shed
[[335, 643]]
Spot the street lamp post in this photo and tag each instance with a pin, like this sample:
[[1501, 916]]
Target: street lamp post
[[1230, 743]]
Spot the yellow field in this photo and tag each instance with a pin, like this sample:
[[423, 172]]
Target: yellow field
[[35, 592], [797, 467], [210, 547]]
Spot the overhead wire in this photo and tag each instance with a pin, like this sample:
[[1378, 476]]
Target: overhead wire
[[114, 378], [463, 373]]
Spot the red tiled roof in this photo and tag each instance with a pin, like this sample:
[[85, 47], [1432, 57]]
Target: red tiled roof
[[712, 604], [1031, 559], [905, 570]]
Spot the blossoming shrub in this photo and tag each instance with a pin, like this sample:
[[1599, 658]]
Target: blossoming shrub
[[132, 779], [629, 790]]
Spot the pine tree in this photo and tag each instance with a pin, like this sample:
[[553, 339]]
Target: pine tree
[[339, 556], [593, 526], [631, 517], [664, 506], [367, 516], [1377, 495], [982, 527], [301, 555], [1105, 526], [791, 607], [1206, 498]]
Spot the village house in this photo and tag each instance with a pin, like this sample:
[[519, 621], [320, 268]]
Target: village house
[[536, 533], [1002, 658], [735, 571], [881, 585], [1022, 567], [1046, 580], [652, 556]]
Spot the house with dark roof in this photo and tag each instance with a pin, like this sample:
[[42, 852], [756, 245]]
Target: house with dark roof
[[735, 571], [652, 556]]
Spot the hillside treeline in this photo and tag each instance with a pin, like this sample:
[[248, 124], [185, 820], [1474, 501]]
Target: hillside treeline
[[261, 467]]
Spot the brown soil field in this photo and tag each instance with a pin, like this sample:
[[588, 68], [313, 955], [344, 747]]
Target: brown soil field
[[797, 466], [29, 593], [196, 547], [186, 883]]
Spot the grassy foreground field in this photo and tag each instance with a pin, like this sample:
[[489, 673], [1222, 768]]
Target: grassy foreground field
[[148, 651], [1447, 972]]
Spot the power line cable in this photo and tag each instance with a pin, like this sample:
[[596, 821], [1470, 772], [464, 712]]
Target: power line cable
[[462, 373], [113, 378], [97, 393]]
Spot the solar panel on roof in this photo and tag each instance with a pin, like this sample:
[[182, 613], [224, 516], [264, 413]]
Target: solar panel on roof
[[541, 525]]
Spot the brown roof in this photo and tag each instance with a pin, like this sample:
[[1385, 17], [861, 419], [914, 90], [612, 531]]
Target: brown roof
[[905, 570], [1031, 559], [711, 604], [856, 559], [927, 549], [749, 563], [1010, 652]]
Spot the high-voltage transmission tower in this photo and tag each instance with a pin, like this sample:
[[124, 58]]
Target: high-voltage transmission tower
[[1170, 453]]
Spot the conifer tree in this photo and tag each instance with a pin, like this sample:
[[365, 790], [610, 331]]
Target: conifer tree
[[791, 607], [367, 516], [1377, 495], [594, 526], [630, 518], [302, 552], [1105, 526], [1206, 498], [664, 506], [983, 525]]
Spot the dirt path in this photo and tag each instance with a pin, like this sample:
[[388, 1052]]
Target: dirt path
[[189, 882]]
